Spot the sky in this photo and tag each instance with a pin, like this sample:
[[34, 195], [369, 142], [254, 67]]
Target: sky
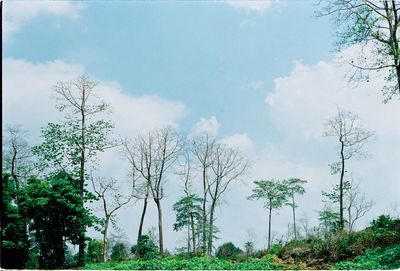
[[260, 76]]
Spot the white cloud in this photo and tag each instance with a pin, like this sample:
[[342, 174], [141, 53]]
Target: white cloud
[[250, 5], [27, 99], [19, 13], [208, 126], [241, 141]]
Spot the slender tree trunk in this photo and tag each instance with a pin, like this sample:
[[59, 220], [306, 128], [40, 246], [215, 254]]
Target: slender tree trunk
[[294, 217], [398, 76], [269, 228], [82, 182], [350, 222], [341, 219], [211, 225], [193, 234], [204, 211], [105, 238], [142, 219], [188, 239], [160, 229]]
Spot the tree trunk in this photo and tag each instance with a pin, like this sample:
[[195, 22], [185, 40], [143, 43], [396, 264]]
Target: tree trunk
[[341, 219], [160, 229], [142, 219], [188, 239], [82, 184], [105, 239], [398, 76], [193, 234], [204, 211], [211, 225], [294, 217], [269, 228]]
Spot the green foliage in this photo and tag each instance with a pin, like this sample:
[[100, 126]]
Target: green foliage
[[187, 208], [196, 263], [15, 245], [228, 251], [145, 248], [95, 251], [56, 215], [379, 258], [274, 193], [119, 252]]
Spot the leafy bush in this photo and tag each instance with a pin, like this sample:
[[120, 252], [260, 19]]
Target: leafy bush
[[379, 258], [145, 248], [95, 251], [228, 251], [386, 230], [119, 252]]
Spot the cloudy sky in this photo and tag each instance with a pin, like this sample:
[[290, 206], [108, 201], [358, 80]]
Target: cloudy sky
[[260, 76]]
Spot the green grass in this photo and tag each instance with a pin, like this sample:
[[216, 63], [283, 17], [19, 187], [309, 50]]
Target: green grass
[[197, 263], [379, 258]]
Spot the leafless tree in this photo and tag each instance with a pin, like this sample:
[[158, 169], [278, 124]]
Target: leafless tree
[[228, 166], [151, 157], [203, 148], [352, 138], [369, 22], [356, 203], [109, 192]]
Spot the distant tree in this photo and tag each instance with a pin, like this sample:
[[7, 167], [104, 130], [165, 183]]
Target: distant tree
[[57, 216], [249, 248], [329, 220], [108, 191], [70, 145], [274, 195], [151, 156], [95, 250], [352, 138], [119, 252], [228, 166], [228, 251], [294, 186], [369, 22]]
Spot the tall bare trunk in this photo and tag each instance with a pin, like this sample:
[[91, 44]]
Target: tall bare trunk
[[142, 219], [341, 219], [82, 183], [204, 211], [193, 234], [211, 225], [269, 228], [105, 238], [160, 229], [294, 217]]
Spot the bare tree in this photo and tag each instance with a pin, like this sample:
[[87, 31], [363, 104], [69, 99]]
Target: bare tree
[[369, 22], [16, 154], [203, 148], [228, 166], [357, 204], [352, 138], [108, 191], [151, 157]]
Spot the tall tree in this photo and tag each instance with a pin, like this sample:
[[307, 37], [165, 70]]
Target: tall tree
[[108, 191], [374, 23], [69, 146], [274, 195], [294, 186], [228, 166], [152, 156], [352, 137], [202, 149]]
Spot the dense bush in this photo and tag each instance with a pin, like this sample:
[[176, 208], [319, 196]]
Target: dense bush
[[119, 252], [228, 251], [95, 251], [145, 248], [379, 258]]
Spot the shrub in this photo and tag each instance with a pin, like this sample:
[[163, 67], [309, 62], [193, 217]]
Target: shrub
[[228, 251], [145, 248], [95, 251], [119, 252]]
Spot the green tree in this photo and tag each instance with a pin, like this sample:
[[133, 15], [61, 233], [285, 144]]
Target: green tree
[[145, 248], [14, 245], [374, 23], [119, 252], [56, 216], [188, 214], [228, 251], [95, 250], [352, 138], [294, 186], [274, 195], [70, 145]]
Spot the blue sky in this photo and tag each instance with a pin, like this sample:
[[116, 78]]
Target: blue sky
[[260, 76]]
